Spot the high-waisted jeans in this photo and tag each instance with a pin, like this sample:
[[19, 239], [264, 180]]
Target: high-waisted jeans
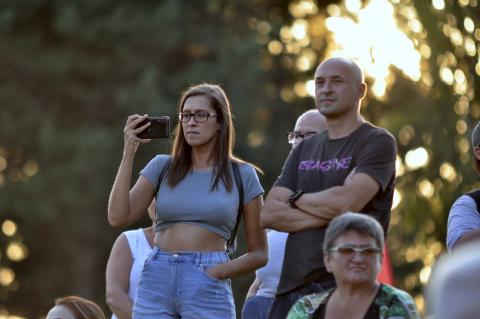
[[176, 285]]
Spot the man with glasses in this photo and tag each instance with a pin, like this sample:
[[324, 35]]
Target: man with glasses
[[349, 167], [308, 124], [262, 292], [464, 217]]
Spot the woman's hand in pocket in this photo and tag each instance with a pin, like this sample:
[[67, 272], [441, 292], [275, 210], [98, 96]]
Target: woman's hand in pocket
[[216, 272]]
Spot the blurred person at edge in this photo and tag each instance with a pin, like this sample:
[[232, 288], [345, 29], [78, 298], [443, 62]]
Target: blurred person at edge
[[188, 273], [262, 292], [464, 218], [124, 266], [74, 307], [352, 252], [348, 167], [453, 290]]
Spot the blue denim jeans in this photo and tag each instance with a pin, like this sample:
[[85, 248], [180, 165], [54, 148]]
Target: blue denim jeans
[[257, 307], [176, 285]]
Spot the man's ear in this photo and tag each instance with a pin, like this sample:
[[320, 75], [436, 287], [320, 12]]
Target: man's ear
[[327, 262], [476, 152], [362, 91]]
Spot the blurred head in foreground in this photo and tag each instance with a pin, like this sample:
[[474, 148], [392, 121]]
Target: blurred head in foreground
[[453, 291], [73, 307]]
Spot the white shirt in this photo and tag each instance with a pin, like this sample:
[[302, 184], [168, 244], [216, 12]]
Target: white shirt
[[269, 275], [463, 217], [140, 249]]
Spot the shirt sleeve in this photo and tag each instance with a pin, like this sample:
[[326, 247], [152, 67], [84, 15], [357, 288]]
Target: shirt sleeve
[[288, 176], [402, 306], [463, 217], [251, 184], [377, 158], [153, 169]]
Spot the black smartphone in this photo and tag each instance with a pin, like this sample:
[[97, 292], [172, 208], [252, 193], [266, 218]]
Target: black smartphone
[[159, 127]]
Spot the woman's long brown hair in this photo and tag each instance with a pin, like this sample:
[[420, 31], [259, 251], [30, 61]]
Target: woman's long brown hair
[[223, 151]]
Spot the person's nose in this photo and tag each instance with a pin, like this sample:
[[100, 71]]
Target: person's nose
[[358, 257], [191, 121], [326, 88]]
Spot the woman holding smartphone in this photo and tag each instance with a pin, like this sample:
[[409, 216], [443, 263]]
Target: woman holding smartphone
[[188, 273]]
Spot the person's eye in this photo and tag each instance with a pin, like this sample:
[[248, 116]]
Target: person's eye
[[345, 250], [369, 252], [201, 115]]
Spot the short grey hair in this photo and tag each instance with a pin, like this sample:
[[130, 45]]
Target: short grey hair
[[356, 222]]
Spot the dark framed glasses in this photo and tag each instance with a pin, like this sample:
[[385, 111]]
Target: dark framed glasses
[[295, 137], [349, 251], [199, 117]]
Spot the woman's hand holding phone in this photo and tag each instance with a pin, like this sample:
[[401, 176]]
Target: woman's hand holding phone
[[131, 131]]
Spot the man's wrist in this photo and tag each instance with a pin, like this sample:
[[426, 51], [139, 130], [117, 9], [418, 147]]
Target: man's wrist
[[294, 197]]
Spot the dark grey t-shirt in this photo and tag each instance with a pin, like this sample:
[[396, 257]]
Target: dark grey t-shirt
[[319, 163]]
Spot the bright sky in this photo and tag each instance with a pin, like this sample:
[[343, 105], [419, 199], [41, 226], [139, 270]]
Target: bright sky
[[375, 41]]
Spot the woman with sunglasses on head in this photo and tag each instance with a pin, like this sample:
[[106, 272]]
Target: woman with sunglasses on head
[[188, 273], [352, 252]]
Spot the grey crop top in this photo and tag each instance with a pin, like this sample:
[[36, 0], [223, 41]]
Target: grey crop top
[[192, 202]]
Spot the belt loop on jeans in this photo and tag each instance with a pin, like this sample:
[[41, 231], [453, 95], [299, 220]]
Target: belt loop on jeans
[[222, 255], [157, 252]]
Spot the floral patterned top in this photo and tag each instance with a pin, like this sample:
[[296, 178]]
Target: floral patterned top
[[389, 303]]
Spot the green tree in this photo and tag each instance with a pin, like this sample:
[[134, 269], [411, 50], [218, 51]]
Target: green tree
[[72, 72], [431, 113]]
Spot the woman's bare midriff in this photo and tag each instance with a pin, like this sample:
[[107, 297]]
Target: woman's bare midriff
[[188, 237]]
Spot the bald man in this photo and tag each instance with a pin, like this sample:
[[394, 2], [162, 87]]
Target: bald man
[[308, 124], [313, 187]]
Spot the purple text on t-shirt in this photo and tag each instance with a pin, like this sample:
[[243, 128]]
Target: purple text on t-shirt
[[325, 166]]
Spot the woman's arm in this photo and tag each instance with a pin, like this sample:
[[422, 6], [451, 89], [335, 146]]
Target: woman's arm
[[253, 288], [257, 254], [119, 266], [125, 206]]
